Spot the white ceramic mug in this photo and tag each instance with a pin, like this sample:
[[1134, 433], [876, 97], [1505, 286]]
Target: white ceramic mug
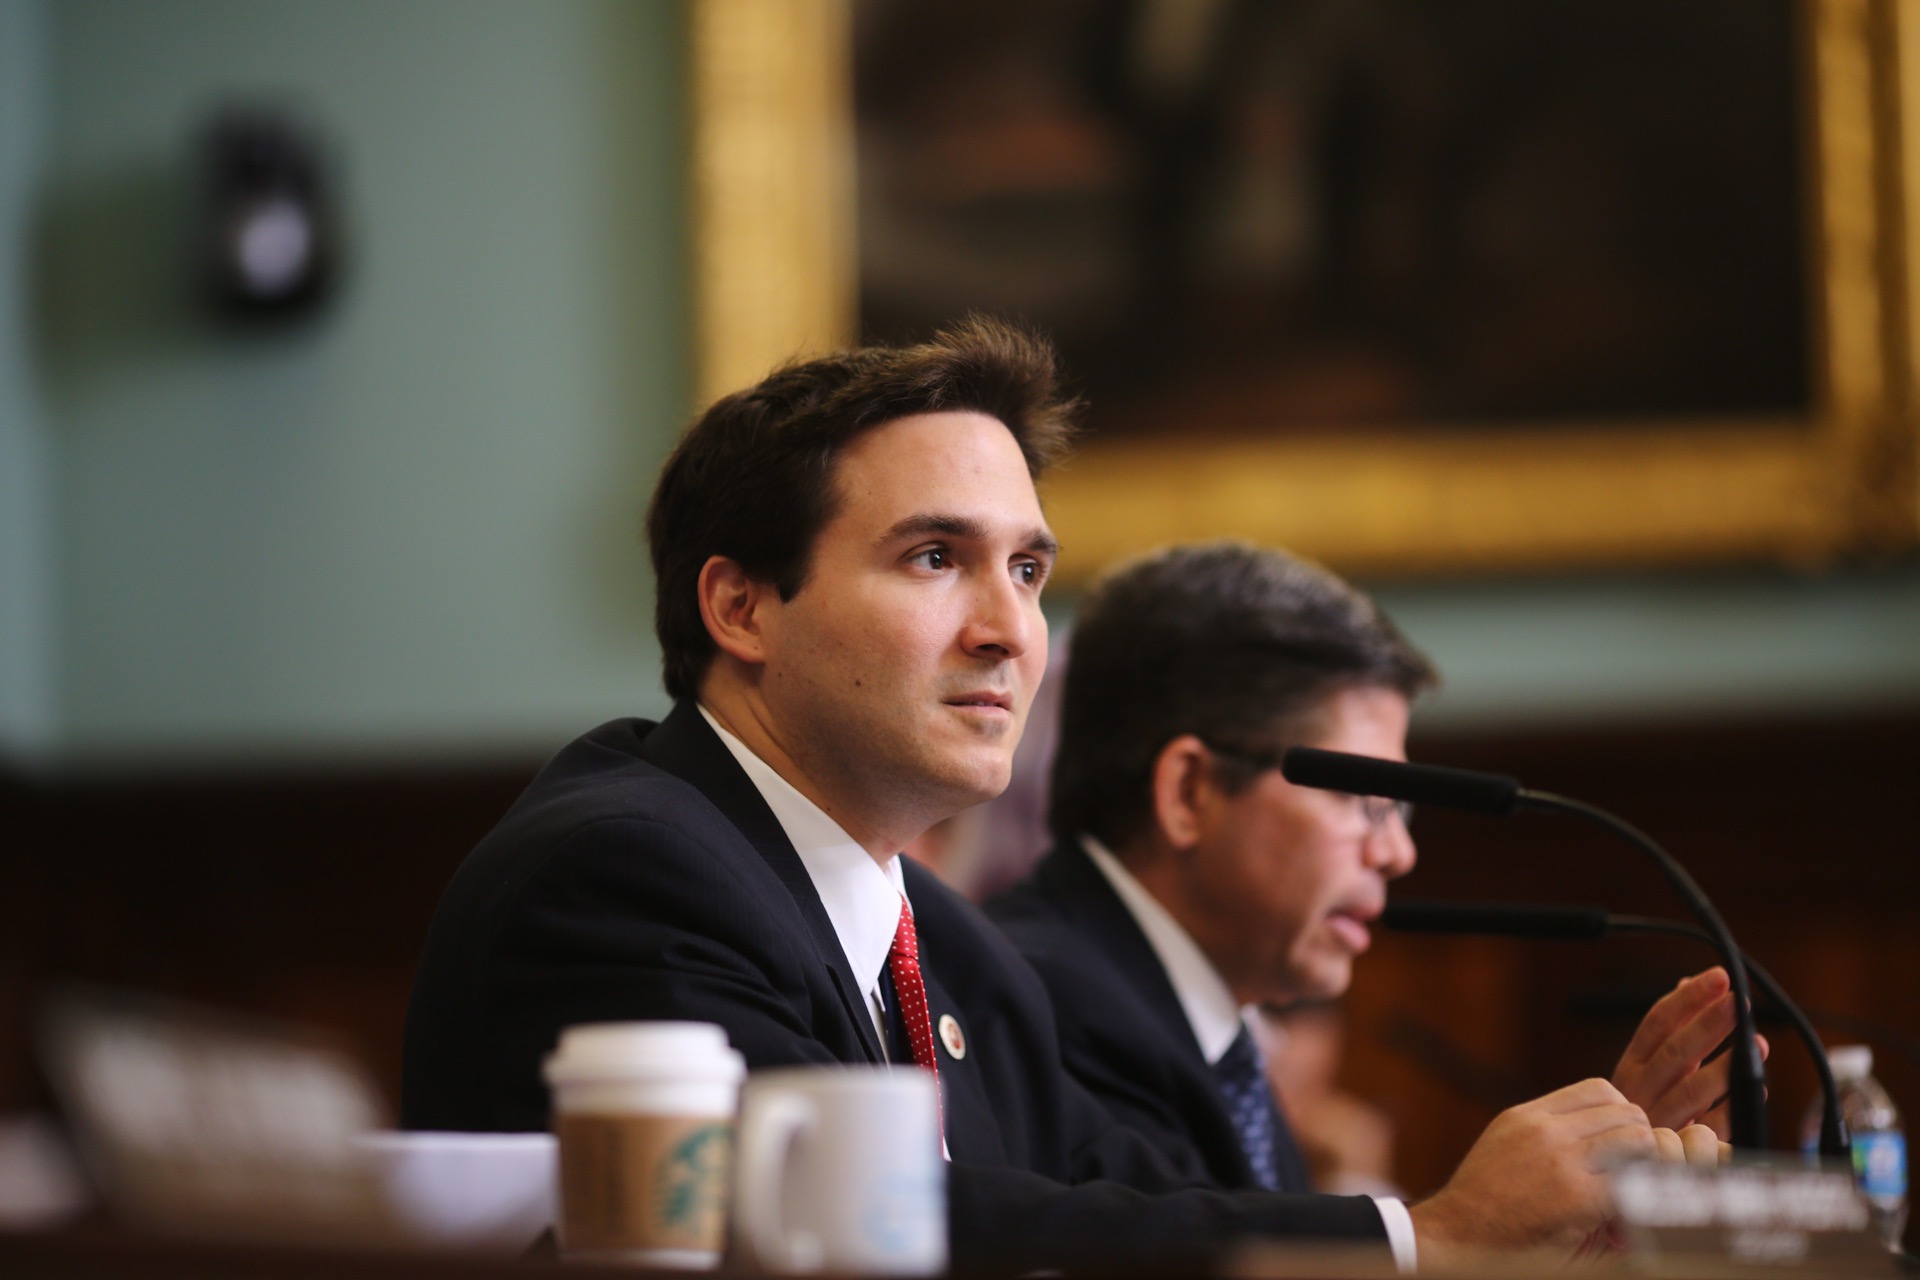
[[839, 1169], [644, 1113]]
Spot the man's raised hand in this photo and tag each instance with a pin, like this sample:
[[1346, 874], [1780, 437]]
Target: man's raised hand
[[1665, 1069]]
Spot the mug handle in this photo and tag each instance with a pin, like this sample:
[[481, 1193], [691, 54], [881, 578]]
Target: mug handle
[[766, 1145]]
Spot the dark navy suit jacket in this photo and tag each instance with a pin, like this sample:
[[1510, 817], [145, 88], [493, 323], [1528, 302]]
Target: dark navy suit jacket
[[641, 876], [1123, 1032]]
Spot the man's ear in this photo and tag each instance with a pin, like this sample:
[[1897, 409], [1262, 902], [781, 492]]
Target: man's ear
[[733, 605], [1183, 787]]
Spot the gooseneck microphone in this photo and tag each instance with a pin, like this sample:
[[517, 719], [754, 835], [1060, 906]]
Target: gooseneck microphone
[[1497, 795], [1583, 923]]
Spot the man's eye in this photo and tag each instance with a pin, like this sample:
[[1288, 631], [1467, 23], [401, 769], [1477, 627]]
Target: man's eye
[[934, 558], [1027, 571]]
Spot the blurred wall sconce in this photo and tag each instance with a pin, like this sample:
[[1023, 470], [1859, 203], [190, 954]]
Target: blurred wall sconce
[[269, 235]]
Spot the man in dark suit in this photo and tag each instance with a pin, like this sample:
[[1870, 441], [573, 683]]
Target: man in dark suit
[[849, 559], [1192, 882]]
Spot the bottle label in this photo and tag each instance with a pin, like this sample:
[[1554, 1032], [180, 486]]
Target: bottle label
[[1880, 1164]]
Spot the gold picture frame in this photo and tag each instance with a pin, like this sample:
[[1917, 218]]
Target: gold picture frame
[[774, 276]]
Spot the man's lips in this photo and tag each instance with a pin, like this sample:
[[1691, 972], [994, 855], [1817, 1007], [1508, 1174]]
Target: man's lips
[[1350, 926], [983, 701]]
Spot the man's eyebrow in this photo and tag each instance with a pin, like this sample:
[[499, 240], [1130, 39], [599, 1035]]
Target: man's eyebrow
[[1037, 540], [926, 522]]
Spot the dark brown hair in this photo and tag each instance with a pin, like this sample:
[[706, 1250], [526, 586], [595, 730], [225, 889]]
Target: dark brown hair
[[1236, 644], [753, 478]]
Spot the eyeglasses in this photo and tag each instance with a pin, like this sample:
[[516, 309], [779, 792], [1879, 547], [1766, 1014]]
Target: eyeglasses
[[1378, 810]]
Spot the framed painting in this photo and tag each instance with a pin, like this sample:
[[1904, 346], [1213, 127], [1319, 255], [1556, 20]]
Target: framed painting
[[1407, 286]]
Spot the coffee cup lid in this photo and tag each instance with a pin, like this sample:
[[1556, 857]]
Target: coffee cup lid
[[635, 1050]]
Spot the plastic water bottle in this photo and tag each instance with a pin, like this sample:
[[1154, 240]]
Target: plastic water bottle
[[1879, 1143]]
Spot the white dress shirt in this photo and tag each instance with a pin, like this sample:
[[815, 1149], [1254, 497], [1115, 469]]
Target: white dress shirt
[[1212, 1012], [862, 897]]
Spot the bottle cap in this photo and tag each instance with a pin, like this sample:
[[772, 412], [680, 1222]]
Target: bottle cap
[[1850, 1061]]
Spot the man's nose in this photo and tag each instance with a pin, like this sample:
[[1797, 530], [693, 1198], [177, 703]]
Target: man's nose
[[1003, 621], [1389, 847]]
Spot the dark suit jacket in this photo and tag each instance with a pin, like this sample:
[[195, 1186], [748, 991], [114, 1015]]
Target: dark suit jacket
[[641, 876], [1123, 1032]]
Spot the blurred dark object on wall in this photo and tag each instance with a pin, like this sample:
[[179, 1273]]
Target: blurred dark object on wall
[[268, 225]]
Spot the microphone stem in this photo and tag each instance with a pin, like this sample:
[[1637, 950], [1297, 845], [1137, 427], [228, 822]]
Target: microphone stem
[[1833, 1132], [1746, 1084]]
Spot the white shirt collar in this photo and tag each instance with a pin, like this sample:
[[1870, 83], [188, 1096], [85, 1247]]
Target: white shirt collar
[[1215, 1016], [861, 896]]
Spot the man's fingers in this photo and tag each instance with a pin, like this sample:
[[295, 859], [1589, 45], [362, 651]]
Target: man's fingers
[[1676, 1067], [1674, 1010], [1700, 1145], [1695, 1145], [1692, 1097], [1726, 1041], [1655, 1063], [1695, 1038], [1660, 1066], [1716, 1113], [1614, 1143]]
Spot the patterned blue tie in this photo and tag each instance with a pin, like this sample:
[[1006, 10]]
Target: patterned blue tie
[[1242, 1076]]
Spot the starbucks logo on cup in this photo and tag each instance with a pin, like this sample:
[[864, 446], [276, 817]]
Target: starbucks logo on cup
[[692, 1182]]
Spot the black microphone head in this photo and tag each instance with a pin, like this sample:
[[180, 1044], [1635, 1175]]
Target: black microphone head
[[1496, 919], [1396, 780]]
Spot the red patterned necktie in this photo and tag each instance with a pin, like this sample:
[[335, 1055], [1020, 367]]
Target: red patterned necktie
[[903, 962]]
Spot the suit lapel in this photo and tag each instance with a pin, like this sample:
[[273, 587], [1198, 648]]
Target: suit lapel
[[1086, 900], [1069, 880], [973, 1133], [687, 747]]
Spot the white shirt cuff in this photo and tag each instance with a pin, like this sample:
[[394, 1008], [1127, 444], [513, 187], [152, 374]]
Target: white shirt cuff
[[1399, 1224]]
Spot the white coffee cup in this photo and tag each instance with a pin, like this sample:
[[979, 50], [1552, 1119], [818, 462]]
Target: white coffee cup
[[839, 1169], [644, 1114]]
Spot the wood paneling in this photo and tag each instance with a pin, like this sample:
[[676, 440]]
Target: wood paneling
[[301, 898]]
